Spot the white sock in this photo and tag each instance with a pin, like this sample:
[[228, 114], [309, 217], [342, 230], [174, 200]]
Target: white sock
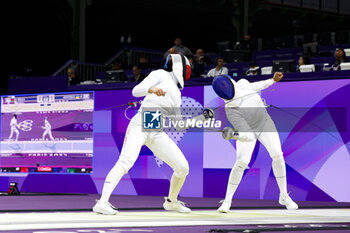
[[111, 182], [176, 184], [234, 180], [279, 170]]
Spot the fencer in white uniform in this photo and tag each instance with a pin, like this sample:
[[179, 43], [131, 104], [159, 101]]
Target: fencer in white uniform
[[161, 91], [47, 131], [14, 125], [247, 113]]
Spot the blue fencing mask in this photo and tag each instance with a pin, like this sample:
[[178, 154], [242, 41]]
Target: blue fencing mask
[[224, 87]]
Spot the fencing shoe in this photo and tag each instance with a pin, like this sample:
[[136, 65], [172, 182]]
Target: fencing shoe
[[104, 208], [175, 206], [287, 201], [225, 206]]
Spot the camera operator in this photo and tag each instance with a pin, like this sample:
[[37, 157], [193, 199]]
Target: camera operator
[[200, 60]]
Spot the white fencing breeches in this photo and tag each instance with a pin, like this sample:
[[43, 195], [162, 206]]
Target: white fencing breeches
[[160, 144], [270, 139], [48, 132], [14, 130]]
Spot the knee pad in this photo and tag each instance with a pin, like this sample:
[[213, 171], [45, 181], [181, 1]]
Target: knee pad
[[182, 171], [244, 155], [240, 165], [237, 172], [279, 166], [277, 157], [123, 164]]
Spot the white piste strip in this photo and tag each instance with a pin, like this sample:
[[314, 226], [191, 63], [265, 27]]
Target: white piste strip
[[65, 220]]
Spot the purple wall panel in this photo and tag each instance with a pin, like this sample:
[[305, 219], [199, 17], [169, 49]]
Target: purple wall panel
[[4, 183], [58, 183], [215, 182], [313, 160]]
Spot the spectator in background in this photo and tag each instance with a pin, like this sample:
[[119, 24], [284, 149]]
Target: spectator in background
[[219, 68], [73, 79], [248, 43], [340, 57], [200, 60], [178, 48], [138, 75], [143, 62], [253, 69], [303, 60], [118, 68], [190, 60], [117, 65]]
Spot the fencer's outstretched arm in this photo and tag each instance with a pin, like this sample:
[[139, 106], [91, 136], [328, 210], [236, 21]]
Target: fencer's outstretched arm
[[142, 89], [244, 136], [258, 86], [230, 133]]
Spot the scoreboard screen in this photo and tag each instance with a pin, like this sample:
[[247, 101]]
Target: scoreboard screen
[[51, 133]]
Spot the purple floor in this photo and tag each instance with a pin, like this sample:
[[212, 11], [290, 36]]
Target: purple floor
[[31, 202], [189, 229], [51, 202]]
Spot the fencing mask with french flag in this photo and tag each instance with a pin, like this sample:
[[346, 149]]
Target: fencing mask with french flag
[[180, 66]]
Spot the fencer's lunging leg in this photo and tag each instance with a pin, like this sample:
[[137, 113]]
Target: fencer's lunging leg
[[17, 135], [11, 134], [16, 132], [112, 180], [234, 179], [44, 134], [50, 136], [133, 141], [244, 151], [164, 148], [233, 182], [270, 139], [176, 184], [279, 170]]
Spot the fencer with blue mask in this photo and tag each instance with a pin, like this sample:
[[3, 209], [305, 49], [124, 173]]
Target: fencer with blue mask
[[47, 129], [161, 89], [247, 113]]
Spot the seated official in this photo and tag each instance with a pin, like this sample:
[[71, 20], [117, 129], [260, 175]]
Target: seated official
[[138, 75], [219, 68], [199, 61], [254, 69], [303, 60], [340, 57], [73, 79]]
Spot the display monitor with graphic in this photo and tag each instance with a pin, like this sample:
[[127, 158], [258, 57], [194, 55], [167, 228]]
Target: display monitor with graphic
[[47, 133]]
